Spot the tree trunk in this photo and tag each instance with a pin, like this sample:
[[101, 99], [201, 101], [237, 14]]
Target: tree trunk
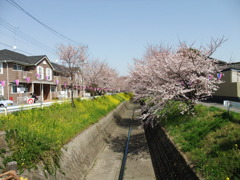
[[72, 101]]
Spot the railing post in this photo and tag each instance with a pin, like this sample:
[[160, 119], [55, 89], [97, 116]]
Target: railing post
[[228, 106], [5, 109]]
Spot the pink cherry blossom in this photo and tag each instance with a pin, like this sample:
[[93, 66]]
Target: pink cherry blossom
[[165, 74]]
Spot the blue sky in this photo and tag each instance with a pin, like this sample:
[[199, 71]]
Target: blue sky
[[118, 31]]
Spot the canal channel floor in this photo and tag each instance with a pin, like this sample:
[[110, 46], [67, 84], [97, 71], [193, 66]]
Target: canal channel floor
[[138, 164]]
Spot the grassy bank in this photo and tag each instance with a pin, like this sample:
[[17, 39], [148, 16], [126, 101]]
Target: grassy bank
[[37, 135], [210, 139]]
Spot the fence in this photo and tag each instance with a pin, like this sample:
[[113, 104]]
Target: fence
[[24, 100], [230, 104], [6, 110], [10, 109]]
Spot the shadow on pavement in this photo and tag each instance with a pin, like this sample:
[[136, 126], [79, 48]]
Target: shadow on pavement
[[137, 147]]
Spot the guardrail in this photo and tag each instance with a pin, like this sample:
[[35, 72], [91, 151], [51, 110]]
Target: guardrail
[[11, 109], [230, 104]]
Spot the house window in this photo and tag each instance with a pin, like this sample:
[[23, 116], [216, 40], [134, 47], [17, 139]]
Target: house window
[[14, 88], [18, 89], [1, 90], [53, 88], [49, 74], [17, 67], [235, 76], [78, 78], [1, 68], [40, 72]]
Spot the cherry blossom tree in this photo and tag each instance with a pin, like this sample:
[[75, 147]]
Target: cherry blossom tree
[[99, 75], [121, 83], [186, 74], [72, 59]]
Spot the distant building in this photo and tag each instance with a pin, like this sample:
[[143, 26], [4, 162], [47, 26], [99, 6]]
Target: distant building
[[230, 89]]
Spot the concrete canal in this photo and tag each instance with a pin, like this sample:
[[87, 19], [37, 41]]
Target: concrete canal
[[116, 148]]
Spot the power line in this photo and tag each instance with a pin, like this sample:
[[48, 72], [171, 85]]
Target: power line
[[18, 40], [12, 2], [26, 37], [17, 49]]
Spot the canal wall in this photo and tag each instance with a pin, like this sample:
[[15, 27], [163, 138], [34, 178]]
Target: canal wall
[[82, 151], [79, 154], [168, 162]]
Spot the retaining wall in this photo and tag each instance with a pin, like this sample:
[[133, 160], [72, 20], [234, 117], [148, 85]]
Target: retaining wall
[[168, 163], [81, 151]]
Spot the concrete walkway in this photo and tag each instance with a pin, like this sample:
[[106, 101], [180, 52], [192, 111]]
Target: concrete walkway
[[138, 166]]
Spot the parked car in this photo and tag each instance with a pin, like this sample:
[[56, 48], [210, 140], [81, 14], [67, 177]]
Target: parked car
[[4, 102]]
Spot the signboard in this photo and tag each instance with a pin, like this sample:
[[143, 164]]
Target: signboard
[[30, 100]]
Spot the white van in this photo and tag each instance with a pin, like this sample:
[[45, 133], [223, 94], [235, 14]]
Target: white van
[[5, 102]]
